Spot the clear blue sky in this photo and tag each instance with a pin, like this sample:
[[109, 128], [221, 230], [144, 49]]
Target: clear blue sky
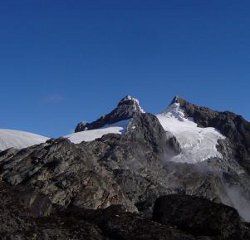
[[64, 61]]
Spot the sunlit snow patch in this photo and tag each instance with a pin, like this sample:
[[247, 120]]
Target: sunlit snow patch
[[197, 144], [90, 135], [19, 139]]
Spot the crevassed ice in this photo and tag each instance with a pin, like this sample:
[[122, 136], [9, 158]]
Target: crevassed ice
[[197, 144]]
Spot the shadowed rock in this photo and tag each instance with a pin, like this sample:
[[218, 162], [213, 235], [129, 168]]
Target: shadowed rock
[[198, 216]]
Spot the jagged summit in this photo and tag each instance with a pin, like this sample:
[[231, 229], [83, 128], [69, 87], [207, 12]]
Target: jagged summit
[[126, 109]]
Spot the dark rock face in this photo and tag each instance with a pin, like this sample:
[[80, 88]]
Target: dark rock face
[[175, 218], [12, 214], [198, 216], [245, 228], [118, 224], [126, 109], [233, 126], [114, 223]]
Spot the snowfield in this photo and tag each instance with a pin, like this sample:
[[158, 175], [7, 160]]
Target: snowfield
[[19, 139], [91, 135], [197, 144]]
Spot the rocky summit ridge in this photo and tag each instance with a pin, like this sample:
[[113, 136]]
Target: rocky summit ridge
[[141, 183], [126, 109]]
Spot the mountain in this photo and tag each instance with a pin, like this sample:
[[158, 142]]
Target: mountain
[[133, 158], [19, 139], [207, 152]]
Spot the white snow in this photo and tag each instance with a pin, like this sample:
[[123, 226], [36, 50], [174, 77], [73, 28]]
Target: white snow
[[90, 135], [197, 144], [19, 139]]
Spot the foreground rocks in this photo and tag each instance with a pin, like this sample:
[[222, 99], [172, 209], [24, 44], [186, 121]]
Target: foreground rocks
[[19, 222], [198, 216], [176, 217]]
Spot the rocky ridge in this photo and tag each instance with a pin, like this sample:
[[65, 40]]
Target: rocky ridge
[[126, 109]]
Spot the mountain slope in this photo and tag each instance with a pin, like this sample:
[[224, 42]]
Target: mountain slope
[[214, 169], [132, 158]]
